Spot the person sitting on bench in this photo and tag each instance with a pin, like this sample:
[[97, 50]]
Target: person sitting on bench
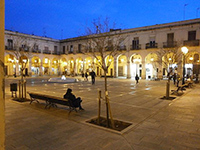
[[75, 101]]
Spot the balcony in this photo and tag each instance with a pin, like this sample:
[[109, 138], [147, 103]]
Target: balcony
[[56, 53], [191, 43], [36, 51], [121, 47], [70, 52], [135, 47], [9, 48], [151, 45], [46, 52], [169, 44], [24, 49]]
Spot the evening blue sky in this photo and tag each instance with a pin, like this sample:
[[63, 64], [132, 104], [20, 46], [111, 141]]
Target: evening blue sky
[[61, 19]]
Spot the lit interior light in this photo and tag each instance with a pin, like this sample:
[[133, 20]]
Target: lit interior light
[[54, 62], [152, 59], [46, 60], [65, 63], [110, 60], [191, 58], [24, 60], [35, 61], [122, 60], [170, 58], [71, 61], [184, 50], [89, 61]]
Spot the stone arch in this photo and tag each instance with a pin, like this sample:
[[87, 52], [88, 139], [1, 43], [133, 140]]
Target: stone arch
[[121, 65], [152, 66], [10, 64], [46, 66], [36, 64], [136, 65], [64, 64], [79, 66], [109, 60], [98, 66]]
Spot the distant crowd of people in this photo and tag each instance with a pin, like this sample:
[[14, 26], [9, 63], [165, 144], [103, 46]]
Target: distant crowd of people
[[92, 74]]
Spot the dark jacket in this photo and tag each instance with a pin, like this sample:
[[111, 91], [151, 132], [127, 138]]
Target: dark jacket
[[75, 101]]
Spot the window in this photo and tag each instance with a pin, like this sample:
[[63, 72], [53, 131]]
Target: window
[[71, 48], [170, 38], [35, 47], [191, 35], [10, 43], [46, 48], [152, 42], [79, 48], [135, 43], [63, 49], [55, 49]]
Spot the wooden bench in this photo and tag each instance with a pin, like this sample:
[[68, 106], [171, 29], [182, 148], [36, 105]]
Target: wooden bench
[[189, 84], [51, 101], [179, 88]]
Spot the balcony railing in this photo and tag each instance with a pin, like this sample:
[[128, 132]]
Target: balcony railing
[[56, 53], [70, 52], [169, 44], [151, 45], [121, 47], [135, 47], [25, 49], [36, 50], [9, 48], [46, 52], [191, 43]]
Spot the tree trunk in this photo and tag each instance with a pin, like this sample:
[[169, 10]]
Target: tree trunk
[[167, 88], [106, 98]]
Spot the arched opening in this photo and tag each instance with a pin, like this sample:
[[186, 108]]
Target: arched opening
[[122, 66], [110, 63], [98, 66], [45, 63], [10, 65], [55, 66], [136, 65], [79, 66], [63, 66], [36, 64], [152, 66]]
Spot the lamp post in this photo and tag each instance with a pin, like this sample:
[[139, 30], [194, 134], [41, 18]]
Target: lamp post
[[184, 51]]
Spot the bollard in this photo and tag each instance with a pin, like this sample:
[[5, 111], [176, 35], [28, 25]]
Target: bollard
[[99, 110]]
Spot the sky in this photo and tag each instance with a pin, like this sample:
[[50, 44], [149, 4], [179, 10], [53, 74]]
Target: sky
[[61, 19]]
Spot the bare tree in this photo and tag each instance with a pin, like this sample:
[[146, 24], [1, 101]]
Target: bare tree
[[22, 51], [167, 57], [102, 43]]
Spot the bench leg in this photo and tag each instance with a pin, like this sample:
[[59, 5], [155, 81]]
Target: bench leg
[[33, 99]]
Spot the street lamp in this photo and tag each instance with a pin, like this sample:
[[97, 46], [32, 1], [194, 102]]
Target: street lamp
[[185, 51]]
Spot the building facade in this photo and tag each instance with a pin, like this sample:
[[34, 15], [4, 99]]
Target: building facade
[[142, 51]]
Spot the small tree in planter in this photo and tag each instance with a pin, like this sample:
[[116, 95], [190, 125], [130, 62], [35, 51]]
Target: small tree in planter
[[167, 58], [22, 52], [103, 44]]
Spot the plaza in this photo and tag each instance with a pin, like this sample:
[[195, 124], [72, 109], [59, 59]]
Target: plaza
[[156, 123]]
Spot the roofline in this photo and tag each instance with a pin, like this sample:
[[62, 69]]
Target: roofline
[[140, 29]]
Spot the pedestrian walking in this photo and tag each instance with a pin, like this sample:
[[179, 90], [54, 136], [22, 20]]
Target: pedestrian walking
[[137, 78], [174, 78], [93, 75], [86, 76]]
